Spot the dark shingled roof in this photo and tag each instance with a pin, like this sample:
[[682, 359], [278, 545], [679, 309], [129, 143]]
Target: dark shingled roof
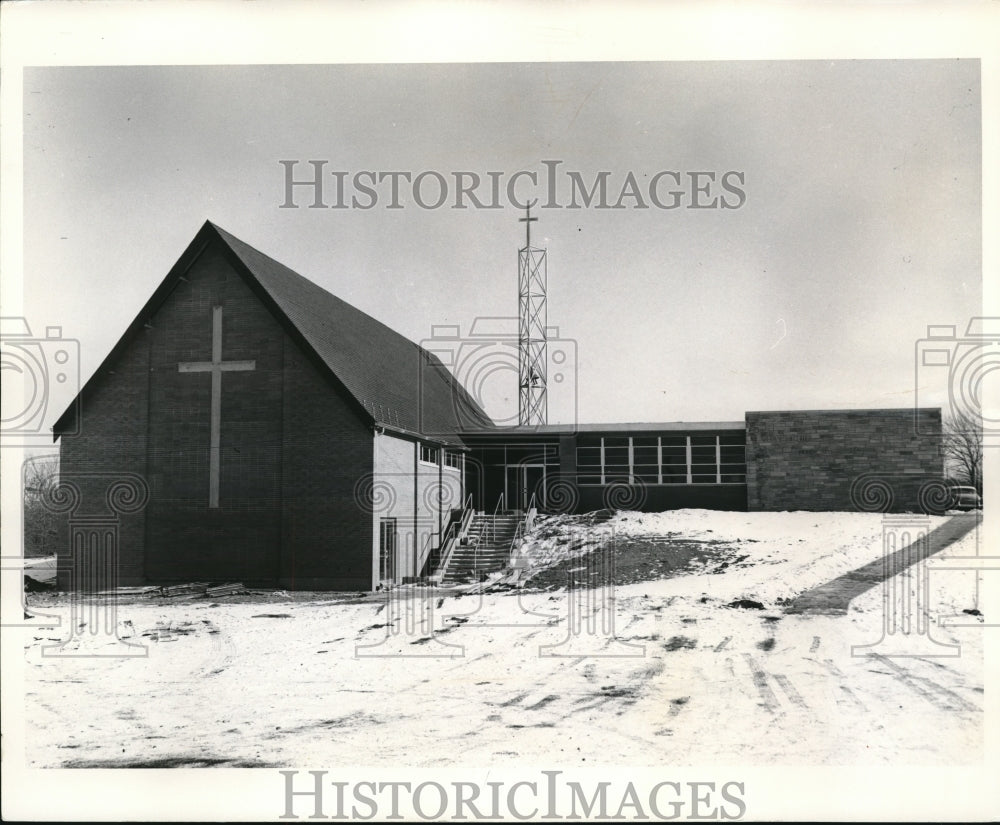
[[394, 381]]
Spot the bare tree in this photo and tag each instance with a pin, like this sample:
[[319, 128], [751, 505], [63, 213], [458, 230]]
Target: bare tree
[[40, 524], [962, 440]]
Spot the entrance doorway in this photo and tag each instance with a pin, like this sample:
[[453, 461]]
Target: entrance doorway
[[521, 482], [388, 544]]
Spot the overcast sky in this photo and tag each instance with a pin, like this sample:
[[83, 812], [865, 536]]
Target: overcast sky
[[861, 222]]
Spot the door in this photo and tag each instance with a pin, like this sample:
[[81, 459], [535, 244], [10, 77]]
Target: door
[[523, 482], [387, 543]]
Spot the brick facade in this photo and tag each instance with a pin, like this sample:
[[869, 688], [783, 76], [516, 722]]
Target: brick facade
[[876, 460], [111, 442], [292, 448], [326, 537]]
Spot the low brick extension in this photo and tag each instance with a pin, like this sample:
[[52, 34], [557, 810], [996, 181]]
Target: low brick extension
[[873, 460]]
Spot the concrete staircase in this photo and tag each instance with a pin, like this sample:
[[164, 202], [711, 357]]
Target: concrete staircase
[[487, 548]]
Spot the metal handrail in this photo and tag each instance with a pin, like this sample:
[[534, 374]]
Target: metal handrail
[[493, 524], [446, 545], [490, 523], [518, 535], [424, 552], [463, 523], [453, 533]]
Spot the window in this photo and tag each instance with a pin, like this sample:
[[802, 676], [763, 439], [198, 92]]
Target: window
[[669, 459], [452, 459], [704, 459], [588, 462], [616, 461], [428, 454], [646, 460]]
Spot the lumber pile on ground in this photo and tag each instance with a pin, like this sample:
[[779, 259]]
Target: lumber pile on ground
[[196, 589]]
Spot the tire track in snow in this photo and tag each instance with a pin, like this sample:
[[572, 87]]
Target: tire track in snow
[[850, 694], [785, 683], [938, 695], [763, 688]]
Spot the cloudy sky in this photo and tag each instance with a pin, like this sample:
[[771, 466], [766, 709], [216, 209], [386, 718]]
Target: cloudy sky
[[860, 227]]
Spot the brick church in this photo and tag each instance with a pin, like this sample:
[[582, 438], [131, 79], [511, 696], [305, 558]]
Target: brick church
[[283, 437]]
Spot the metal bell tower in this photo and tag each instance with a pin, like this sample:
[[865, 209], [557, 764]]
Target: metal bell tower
[[532, 276]]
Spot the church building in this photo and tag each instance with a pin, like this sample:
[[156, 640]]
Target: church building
[[285, 438]]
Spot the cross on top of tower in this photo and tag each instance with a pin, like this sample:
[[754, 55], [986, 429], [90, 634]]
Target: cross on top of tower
[[527, 220]]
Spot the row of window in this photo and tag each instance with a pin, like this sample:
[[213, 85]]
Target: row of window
[[431, 455], [681, 459]]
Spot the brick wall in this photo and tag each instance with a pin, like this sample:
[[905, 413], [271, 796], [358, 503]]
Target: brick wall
[[185, 538], [292, 448], [875, 460], [110, 442], [326, 537]]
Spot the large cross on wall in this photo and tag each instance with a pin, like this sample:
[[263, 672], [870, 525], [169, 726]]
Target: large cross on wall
[[216, 367]]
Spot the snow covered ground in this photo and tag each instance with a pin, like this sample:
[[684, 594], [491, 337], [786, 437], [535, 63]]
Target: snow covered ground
[[533, 677]]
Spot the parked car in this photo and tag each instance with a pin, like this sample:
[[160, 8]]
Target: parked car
[[966, 498]]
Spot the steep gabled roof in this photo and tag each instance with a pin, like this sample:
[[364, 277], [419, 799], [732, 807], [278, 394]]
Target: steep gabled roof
[[394, 382]]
